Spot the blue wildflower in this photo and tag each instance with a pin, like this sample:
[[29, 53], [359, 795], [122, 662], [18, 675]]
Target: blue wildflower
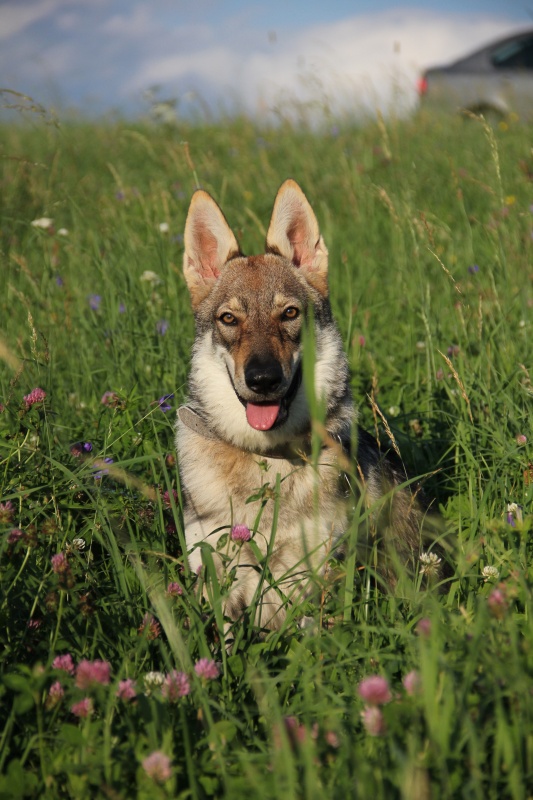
[[163, 404], [94, 301], [101, 472]]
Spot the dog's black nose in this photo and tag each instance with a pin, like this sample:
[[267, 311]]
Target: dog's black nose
[[263, 376]]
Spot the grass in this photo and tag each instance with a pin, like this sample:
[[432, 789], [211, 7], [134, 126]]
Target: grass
[[429, 227]]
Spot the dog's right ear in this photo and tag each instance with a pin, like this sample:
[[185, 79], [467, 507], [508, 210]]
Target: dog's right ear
[[209, 243]]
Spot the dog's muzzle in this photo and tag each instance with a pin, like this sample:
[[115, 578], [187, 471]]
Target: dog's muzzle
[[264, 378]]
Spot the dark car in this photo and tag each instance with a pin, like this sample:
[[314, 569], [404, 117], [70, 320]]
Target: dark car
[[496, 80]]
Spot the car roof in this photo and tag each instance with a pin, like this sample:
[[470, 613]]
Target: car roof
[[480, 59]]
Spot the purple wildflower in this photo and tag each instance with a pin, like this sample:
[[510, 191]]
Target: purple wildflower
[[157, 766], [15, 535], [423, 627], [453, 350], [175, 685], [7, 512], [374, 690], [161, 326], [101, 472], [94, 301], [174, 589], [109, 398], [35, 396], [91, 673], [149, 627], [473, 268], [241, 533], [60, 563], [83, 709], [373, 721], [296, 732], [411, 682], [122, 308], [206, 669], [167, 498], [55, 695], [126, 690], [80, 448], [514, 514], [162, 402], [498, 603], [64, 663], [59, 280]]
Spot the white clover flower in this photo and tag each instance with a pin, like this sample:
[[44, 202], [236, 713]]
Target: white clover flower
[[151, 277], [394, 411], [164, 227], [420, 345], [62, 232], [490, 573], [514, 512], [78, 544], [153, 680], [430, 563], [43, 222]]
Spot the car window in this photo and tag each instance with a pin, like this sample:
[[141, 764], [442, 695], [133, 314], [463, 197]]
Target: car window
[[517, 54]]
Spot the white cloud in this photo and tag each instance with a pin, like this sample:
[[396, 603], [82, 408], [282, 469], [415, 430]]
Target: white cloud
[[362, 60], [16, 16], [115, 49]]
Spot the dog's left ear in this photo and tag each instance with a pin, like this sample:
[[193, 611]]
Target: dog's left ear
[[293, 233]]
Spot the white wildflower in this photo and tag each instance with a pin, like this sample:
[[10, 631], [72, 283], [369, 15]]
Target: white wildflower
[[153, 680], [164, 227], [43, 222], [430, 563], [151, 277], [394, 411], [490, 573], [78, 544], [420, 345], [62, 232], [515, 511]]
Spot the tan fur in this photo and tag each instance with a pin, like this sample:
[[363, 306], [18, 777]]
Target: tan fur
[[249, 311], [221, 472]]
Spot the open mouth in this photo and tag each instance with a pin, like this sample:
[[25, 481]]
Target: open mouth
[[272, 413]]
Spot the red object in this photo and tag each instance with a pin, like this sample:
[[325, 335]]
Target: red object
[[422, 85]]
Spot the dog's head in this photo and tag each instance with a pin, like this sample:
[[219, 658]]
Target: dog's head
[[249, 312]]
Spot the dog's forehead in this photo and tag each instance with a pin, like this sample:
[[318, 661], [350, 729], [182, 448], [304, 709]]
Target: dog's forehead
[[270, 277]]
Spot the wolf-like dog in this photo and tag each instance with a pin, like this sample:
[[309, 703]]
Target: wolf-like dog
[[248, 420]]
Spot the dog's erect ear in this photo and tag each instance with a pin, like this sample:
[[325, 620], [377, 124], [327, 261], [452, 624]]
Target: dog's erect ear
[[293, 232], [209, 243]]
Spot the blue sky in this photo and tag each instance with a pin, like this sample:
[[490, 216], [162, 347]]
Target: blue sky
[[102, 55]]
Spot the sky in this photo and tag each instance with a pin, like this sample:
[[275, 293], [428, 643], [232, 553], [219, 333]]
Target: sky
[[213, 56]]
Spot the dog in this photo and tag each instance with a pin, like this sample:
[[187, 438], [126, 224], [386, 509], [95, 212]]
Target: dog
[[245, 436]]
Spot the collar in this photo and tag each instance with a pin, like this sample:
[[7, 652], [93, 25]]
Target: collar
[[192, 420]]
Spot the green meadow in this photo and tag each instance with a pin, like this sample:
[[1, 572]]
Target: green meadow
[[112, 651]]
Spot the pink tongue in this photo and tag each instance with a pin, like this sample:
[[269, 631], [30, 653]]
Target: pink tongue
[[262, 416]]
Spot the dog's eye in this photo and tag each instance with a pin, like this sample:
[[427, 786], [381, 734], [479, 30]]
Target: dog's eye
[[291, 313], [227, 319]]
